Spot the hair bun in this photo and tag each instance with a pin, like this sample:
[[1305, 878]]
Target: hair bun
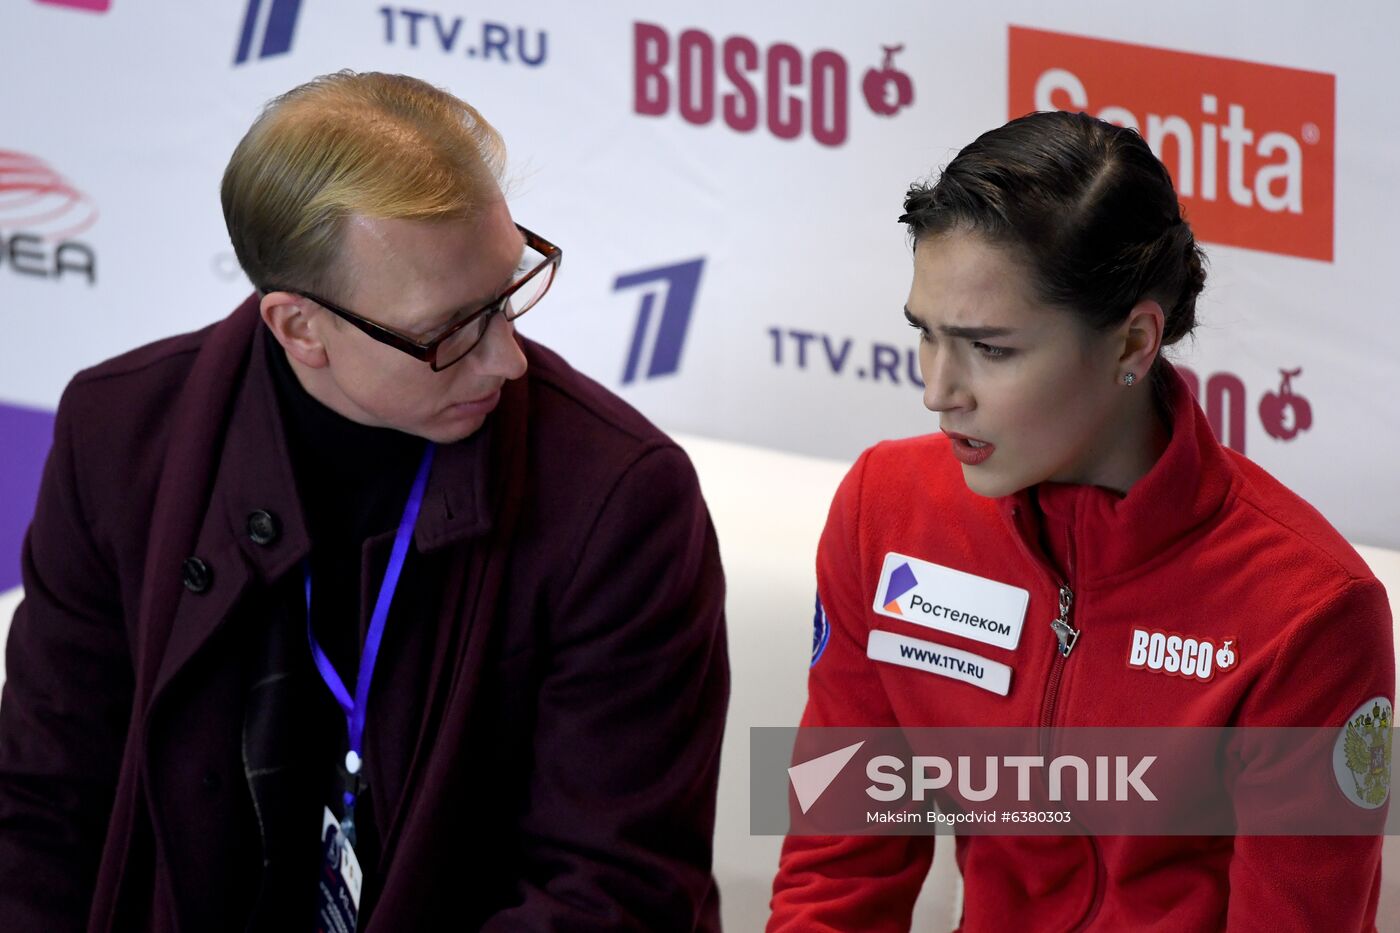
[[1181, 316]]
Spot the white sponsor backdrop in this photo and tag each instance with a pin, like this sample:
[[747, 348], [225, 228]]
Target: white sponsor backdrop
[[804, 268]]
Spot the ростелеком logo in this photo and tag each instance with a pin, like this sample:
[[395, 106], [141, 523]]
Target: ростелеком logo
[[901, 581], [950, 600]]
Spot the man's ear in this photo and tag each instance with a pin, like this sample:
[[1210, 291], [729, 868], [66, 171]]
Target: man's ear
[[296, 323]]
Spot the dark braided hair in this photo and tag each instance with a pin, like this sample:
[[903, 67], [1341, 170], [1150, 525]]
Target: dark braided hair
[[1088, 207]]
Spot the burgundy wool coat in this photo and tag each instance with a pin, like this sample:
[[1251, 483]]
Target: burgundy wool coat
[[542, 756]]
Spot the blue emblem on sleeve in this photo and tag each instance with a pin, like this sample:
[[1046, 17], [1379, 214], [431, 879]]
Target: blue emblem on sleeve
[[821, 631]]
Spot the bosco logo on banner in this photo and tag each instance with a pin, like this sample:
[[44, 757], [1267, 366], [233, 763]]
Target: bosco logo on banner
[[1249, 146], [779, 88], [91, 6]]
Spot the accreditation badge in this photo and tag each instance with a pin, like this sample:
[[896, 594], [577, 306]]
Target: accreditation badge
[[338, 894]]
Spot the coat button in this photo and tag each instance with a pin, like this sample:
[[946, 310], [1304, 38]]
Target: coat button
[[263, 527], [196, 574], [211, 781]]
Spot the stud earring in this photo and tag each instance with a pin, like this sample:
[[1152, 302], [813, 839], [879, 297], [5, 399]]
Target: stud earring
[[1129, 379]]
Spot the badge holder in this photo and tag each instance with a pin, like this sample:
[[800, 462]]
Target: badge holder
[[341, 878], [338, 897]]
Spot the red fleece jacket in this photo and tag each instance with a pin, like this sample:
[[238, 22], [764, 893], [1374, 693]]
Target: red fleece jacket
[[1207, 546]]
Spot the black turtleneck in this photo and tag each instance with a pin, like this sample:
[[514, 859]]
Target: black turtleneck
[[352, 482]]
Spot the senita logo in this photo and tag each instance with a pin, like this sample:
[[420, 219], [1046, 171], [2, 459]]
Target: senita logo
[[1249, 146]]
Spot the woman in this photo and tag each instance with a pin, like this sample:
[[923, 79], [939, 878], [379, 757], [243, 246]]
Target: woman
[[1051, 267]]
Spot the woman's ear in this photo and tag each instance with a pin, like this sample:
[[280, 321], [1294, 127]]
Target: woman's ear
[[1142, 337]]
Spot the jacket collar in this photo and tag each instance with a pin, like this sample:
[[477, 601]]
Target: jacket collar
[[229, 438], [466, 485], [1109, 535], [261, 478], [458, 504]]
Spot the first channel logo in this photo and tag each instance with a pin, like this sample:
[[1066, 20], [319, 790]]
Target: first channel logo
[[658, 339], [268, 26]]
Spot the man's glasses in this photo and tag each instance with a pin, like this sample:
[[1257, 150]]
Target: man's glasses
[[459, 337]]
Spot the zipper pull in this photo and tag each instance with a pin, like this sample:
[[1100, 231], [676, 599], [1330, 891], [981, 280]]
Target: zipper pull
[[1067, 634]]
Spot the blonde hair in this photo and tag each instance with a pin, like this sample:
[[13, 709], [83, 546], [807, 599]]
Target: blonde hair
[[375, 145]]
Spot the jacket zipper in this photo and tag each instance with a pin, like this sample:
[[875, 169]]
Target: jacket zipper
[[1066, 637], [1066, 633]]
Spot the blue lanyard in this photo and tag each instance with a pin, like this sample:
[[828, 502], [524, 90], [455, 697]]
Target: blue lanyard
[[355, 708]]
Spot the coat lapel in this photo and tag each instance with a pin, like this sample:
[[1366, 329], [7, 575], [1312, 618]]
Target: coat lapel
[[481, 498], [253, 477], [184, 490]]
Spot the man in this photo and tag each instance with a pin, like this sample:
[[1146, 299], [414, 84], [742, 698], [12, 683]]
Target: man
[[357, 609]]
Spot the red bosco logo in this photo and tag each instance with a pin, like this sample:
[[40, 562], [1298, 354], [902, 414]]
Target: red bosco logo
[[41, 217], [1283, 413], [778, 87], [1249, 146], [91, 6]]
